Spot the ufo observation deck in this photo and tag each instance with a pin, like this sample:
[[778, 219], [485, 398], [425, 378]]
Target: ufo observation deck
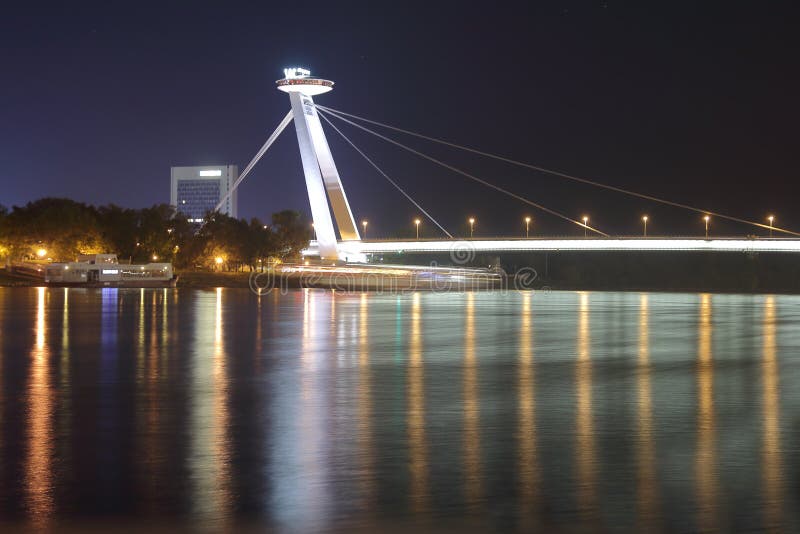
[[306, 86]]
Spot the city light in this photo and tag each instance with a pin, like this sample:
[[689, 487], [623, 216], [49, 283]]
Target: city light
[[416, 223], [527, 227], [585, 226], [218, 260], [644, 220], [41, 253], [771, 220], [155, 257], [295, 72], [471, 226]]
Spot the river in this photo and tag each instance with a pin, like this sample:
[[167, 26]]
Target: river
[[314, 411]]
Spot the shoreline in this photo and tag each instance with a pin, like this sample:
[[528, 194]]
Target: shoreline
[[212, 280]]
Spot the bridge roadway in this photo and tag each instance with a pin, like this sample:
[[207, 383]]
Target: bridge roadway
[[356, 250]]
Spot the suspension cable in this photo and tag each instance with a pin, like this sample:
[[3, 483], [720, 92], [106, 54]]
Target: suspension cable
[[564, 175], [271, 139], [420, 208], [466, 174]]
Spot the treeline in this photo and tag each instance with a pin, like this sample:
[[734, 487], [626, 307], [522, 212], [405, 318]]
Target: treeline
[[61, 229]]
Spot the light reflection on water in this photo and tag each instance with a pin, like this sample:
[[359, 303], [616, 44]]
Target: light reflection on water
[[647, 477], [38, 471], [307, 411]]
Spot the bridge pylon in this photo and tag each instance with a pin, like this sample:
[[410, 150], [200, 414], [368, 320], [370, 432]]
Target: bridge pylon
[[322, 177]]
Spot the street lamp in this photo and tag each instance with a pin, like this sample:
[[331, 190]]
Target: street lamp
[[585, 226], [471, 226], [644, 220], [416, 223], [364, 224], [41, 253], [314, 229], [706, 219], [771, 219], [155, 257], [527, 227]]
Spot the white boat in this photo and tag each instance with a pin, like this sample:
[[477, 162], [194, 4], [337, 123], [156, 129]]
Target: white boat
[[105, 270]]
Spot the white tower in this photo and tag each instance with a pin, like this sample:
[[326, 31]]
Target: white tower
[[321, 175]]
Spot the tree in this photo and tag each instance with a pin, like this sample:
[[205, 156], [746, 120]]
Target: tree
[[291, 234], [61, 227]]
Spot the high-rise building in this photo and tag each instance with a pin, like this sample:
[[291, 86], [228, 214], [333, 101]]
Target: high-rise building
[[195, 191]]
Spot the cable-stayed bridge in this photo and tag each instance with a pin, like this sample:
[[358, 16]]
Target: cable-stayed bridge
[[331, 210]]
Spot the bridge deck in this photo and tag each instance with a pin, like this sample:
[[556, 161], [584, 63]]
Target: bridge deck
[[566, 244]]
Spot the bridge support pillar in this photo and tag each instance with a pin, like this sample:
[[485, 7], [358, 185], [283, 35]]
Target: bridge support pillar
[[322, 177]]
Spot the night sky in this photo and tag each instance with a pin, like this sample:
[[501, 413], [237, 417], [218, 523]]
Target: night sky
[[692, 101]]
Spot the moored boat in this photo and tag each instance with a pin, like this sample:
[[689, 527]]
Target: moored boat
[[105, 270]]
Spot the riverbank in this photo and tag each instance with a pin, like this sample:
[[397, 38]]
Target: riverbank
[[190, 279], [9, 280], [732, 274]]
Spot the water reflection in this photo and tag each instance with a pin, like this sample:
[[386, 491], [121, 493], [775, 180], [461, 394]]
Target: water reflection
[[647, 481], [310, 444], [364, 406], [586, 462], [418, 454], [472, 438], [362, 415], [65, 327], [771, 441], [38, 466], [64, 396], [528, 468], [210, 460], [706, 476], [140, 335]]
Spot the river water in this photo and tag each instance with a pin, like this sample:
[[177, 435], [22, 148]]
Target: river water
[[312, 411]]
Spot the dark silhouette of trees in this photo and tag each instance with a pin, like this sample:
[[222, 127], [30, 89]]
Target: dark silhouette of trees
[[62, 227], [65, 229], [291, 233]]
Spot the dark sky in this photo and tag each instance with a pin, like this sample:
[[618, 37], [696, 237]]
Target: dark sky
[[692, 101]]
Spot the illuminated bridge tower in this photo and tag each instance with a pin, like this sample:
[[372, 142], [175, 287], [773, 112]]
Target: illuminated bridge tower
[[322, 178]]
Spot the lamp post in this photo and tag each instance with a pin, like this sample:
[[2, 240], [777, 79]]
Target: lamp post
[[644, 220], [416, 223], [527, 227], [314, 229], [706, 219], [771, 219], [585, 226], [471, 226], [364, 224]]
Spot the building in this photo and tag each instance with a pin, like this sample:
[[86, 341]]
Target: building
[[195, 191]]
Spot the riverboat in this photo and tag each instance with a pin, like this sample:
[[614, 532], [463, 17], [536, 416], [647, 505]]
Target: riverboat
[[105, 270]]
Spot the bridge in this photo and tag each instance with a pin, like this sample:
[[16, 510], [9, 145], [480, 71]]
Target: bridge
[[357, 250], [326, 194]]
